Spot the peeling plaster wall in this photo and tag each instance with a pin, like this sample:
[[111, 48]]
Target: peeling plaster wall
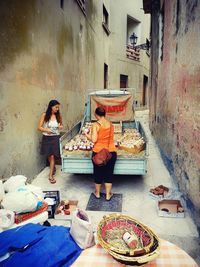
[[49, 51], [175, 95]]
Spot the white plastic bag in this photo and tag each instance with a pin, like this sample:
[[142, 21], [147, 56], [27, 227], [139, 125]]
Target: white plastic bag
[[36, 190], [14, 182], [7, 218], [20, 202], [82, 230]]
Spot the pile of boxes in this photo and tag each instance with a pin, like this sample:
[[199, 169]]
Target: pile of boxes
[[60, 209], [168, 202]]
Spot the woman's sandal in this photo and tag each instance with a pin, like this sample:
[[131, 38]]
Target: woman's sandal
[[52, 180], [54, 170], [98, 197], [111, 195]]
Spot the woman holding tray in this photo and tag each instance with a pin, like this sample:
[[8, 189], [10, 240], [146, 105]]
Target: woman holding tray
[[50, 124], [102, 135]]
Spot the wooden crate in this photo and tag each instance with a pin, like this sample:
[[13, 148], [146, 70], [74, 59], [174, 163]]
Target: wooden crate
[[61, 216], [117, 127]]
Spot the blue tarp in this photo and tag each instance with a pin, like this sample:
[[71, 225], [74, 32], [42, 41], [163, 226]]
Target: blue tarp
[[39, 246]]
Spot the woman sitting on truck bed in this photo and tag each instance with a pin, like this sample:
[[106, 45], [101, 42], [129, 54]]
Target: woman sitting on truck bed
[[102, 135], [50, 124]]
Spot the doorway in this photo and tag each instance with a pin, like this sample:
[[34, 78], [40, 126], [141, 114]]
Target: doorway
[[144, 92], [123, 81], [105, 76]]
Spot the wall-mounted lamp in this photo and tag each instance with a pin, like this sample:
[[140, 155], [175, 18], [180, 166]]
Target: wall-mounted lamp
[[133, 40]]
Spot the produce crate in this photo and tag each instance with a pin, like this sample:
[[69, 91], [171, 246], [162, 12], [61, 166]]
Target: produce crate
[[26, 216], [170, 208], [117, 127], [55, 195], [61, 215]]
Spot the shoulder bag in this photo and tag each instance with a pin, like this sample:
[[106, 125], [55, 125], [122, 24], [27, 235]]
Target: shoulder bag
[[103, 156]]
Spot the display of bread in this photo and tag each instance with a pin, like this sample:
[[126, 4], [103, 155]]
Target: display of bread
[[80, 141], [130, 140]]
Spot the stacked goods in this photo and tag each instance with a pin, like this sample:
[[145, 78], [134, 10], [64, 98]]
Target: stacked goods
[[80, 141], [117, 127], [160, 191], [65, 209], [26, 216], [131, 141], [127, 240]]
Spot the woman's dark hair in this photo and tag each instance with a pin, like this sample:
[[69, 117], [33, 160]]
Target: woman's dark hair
[[48, 111], [100, 111]]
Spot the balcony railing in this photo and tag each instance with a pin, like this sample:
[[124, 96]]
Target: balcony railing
[[132, 53]]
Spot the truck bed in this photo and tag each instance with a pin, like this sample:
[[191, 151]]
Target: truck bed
[[80, 161]]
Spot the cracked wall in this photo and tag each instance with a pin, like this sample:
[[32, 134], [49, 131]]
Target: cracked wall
[[175, 95], [43, 53]]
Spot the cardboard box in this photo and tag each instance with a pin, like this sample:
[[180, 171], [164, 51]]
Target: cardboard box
[[170, 208], [55, 195], [165, 194], [117, 127], [170, 194], [62, 216]]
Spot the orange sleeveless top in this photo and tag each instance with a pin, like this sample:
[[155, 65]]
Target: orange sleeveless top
[[105, 139]]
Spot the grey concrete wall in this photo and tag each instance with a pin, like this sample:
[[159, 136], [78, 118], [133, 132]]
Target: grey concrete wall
[[175, 97]]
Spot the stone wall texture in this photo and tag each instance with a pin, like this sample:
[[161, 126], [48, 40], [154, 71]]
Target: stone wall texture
[[175, 92]]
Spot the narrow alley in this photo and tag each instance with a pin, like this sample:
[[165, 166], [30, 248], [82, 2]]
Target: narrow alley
[[136, 199], [79, 78]]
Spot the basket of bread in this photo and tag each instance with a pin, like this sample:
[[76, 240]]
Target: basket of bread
[[127, 240]]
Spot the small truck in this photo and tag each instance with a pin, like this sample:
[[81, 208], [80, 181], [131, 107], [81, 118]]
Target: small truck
[[131, 158]]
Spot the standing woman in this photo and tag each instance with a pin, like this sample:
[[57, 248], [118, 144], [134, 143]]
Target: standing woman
[[102, 135], [50, 125]]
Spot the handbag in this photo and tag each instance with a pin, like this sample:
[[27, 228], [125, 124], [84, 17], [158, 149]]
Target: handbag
[[82, 230], [103, 156]]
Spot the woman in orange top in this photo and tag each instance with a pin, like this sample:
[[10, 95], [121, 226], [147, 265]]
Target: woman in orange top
[[102, 135]]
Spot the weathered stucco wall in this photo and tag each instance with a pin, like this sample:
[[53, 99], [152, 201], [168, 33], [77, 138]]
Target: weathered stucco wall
[[119, 63], [175, 97], [46, 53], [52, 51]]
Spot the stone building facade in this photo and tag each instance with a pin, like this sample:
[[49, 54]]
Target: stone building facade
[[175, 91], [58, 50]]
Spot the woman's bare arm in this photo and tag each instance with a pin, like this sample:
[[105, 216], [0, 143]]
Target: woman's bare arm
[[41, 123], [60, 124], [93, 135]]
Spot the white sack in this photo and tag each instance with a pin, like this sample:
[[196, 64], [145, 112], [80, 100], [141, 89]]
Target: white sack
[[36, 190], [81, 229], [20, 201], [14, 182]]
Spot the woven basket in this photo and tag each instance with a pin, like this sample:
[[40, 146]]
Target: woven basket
[[138, 260], [111, 229]]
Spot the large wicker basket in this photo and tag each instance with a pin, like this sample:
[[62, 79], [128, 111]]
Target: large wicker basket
[[109, 234], [138, 260]]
